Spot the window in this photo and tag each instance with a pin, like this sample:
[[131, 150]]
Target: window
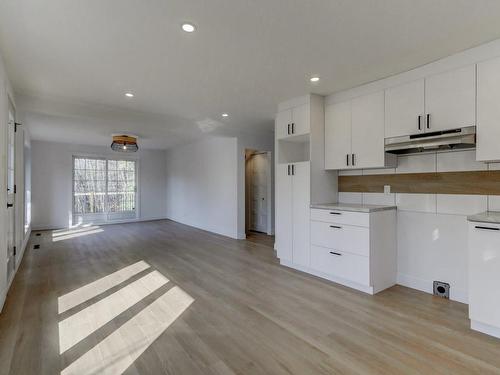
[[103, 189]]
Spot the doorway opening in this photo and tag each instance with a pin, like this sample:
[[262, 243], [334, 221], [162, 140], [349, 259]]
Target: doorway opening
[[258, 193]]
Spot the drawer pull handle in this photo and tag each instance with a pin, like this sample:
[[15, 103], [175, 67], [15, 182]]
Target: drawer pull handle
[[488, 228], [335, 213], [335, 227], [334, 253]]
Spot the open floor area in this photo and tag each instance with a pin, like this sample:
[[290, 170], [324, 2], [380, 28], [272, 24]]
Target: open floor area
[[164, 298]]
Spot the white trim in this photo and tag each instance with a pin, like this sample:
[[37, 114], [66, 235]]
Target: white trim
[[485, 328], [337, 280], [135, 158]]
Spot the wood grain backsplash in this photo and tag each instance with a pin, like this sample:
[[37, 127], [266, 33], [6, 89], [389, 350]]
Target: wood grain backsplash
[[470, 182]]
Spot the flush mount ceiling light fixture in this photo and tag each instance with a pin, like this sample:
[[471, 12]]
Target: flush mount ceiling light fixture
[[124, 143], [129, 95], [314, 79], [188, 27], [225, 115]]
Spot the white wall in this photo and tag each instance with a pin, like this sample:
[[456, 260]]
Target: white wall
[[202, 186], [52, 179], [432, 228]]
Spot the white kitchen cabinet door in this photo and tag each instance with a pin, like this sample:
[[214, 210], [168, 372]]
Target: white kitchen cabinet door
[[484, 275], [301, 207], [450, 99], [283, 124], [283, 223], [301, 123], [368, 131], [403, 106], [488, 110], [338, 136]]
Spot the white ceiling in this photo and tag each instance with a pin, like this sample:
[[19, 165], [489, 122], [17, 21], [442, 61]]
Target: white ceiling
[[71, 61]]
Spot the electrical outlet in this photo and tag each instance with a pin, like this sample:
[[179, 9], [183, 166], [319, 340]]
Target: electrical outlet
[[387, 189]]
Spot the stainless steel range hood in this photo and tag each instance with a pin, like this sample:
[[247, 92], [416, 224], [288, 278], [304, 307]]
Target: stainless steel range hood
[[438, 140]]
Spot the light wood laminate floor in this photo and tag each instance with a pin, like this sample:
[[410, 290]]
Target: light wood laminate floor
[[163, 298]]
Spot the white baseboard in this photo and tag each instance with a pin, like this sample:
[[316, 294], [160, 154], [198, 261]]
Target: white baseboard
[[211, 230], [426, 286], [485, 328]]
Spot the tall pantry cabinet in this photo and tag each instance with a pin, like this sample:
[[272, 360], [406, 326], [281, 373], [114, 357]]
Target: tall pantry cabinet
[[300, 176]]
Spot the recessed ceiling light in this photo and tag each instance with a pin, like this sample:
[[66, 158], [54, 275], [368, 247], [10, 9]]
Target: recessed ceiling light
[[188, 27], [225, 115], [129, 95], [314, 79]]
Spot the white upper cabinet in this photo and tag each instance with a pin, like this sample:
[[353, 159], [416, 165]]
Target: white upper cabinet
[[354, 133], [301, 120], [367, 120], [438, 102], [283, 123], [404, 109], [338, 135], [450, 99], [293, 122], [488, 110]]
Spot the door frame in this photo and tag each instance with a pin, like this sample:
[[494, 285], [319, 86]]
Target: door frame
[[11, 215], [249, 154]]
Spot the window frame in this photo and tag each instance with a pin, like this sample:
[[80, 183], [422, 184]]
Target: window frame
[[106, 216]]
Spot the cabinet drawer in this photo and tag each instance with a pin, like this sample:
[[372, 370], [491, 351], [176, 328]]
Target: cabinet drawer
[[344, 238], [347, 266], [341, 217]]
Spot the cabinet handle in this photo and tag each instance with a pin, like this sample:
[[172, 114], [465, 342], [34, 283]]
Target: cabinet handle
[[289, 169], [419, 122], [487, 228], [288, 129], [353, 160], [335, 227], [347, 159], [9, 205], [334, 253], [293, 127], [335, 213], [428, 121], [293, 169]]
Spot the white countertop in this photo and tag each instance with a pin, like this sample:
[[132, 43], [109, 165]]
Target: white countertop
[[354, 207], [486, 217]]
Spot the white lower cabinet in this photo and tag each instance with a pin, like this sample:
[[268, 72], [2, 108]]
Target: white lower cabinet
[[349, 238], [355, 268], [484, 277], [356, 249]]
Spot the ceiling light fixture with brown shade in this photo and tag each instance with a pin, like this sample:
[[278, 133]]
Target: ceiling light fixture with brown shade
[[124, 143]]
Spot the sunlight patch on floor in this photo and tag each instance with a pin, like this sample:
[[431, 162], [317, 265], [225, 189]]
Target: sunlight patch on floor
[[75, 235], [118, 351], [65, 232], [83, 323], [89, 291]]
